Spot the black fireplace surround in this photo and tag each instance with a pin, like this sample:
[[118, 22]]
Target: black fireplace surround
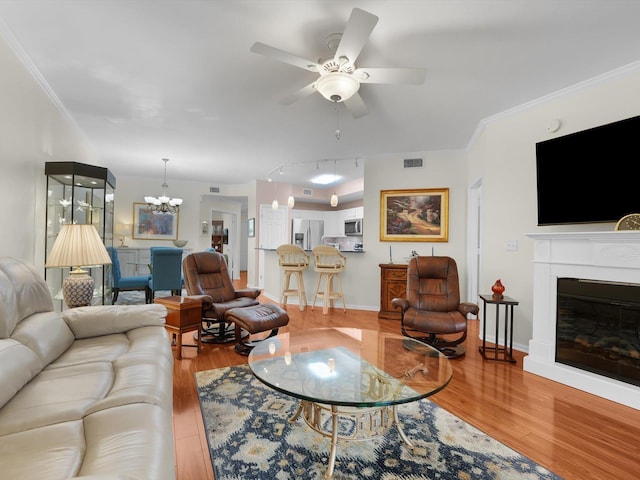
[[598, 327]]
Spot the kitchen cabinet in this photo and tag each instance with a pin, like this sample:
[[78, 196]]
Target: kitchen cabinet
[[333, 224], [333, 219], [393, 284]]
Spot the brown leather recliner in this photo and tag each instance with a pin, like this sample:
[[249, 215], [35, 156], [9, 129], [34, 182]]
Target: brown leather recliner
[[432, 305], [206, 278]]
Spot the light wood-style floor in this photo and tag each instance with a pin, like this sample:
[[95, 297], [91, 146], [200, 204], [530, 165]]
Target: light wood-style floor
[[577, 435]]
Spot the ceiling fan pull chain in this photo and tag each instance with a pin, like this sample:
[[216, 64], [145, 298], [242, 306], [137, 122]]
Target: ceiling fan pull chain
[[337, 123]]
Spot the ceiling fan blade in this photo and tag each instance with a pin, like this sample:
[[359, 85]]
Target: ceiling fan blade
[[355, 35], [356, 105], [284, 57], [410, 76], [295, 96]]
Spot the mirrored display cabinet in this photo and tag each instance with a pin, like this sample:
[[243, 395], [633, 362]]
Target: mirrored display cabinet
[[83, 194]]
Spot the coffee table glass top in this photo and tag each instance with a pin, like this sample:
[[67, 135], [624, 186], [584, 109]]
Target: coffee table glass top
[[350, 366]]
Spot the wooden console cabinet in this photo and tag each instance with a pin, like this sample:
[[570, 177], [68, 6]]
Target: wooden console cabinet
[[393, 284]]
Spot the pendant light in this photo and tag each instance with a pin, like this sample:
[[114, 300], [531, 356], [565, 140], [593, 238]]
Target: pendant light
[[163, 204], [334, 196], [291, 201], [274, 204]]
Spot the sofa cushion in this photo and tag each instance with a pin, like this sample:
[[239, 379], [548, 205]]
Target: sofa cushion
[[49, 453], [19, 365], [58, 395], [107, 319], [44, 333], [23, 292], [140, 433]]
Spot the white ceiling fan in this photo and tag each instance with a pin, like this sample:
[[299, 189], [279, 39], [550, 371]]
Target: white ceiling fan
[[340, 78]]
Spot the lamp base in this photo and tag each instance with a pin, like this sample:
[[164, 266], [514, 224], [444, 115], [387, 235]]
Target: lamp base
[[77, 289]]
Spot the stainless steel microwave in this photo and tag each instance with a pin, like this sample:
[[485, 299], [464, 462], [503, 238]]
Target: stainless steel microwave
[[353, 226]]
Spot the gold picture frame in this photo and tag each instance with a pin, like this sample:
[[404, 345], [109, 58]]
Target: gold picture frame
[[152, 226], [418, 215]]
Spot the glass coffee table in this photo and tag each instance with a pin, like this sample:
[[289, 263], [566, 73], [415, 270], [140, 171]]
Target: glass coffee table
[[349, 381]]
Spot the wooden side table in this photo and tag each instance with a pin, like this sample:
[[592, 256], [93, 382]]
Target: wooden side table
[[393, 284], [500, 353], [183, 315]]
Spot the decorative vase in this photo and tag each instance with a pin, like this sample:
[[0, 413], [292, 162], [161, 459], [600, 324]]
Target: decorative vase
[[498, 289]]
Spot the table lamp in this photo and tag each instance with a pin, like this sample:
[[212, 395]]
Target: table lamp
[[76, 246], [123, 229]]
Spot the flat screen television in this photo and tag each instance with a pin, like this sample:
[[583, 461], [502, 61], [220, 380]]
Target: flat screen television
[[592, 176]]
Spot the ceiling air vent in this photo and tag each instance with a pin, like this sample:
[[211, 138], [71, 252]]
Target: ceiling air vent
[[307, 192], [214, 189], [412, 162]]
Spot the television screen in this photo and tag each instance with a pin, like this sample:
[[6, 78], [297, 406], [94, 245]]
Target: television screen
[[590, 176]]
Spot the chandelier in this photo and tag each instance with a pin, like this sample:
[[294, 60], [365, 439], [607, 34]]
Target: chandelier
[[164, 205]]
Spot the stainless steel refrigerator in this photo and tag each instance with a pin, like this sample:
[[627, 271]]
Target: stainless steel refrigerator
[[307, 233]]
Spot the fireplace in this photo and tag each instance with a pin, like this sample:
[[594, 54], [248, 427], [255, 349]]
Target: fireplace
[[597, 259], [598, 327]]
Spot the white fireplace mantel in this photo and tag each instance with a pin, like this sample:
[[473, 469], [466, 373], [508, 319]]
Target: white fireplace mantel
[[605, 256]]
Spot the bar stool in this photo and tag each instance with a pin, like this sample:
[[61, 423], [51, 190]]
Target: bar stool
[[293, 260], [329, 263]]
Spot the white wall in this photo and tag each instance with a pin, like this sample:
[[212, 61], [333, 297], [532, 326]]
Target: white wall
[[503, 155], [197, 207], [32, 131]]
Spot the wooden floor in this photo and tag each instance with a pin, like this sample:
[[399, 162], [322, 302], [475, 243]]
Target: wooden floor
[[575, 434]]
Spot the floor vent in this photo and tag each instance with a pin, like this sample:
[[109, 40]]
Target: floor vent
[[214, 189], [307, 192], [412, 162]]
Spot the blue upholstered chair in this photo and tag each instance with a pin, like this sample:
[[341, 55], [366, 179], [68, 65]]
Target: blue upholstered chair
[[166, 271], [120, 283]]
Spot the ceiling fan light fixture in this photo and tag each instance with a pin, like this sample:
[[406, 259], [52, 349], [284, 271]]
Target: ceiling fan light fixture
[[337, 86]]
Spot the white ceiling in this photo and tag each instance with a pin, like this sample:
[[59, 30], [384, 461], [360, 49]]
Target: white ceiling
[[146, 80]]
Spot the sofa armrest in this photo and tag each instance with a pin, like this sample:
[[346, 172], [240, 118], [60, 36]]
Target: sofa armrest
[[466, 308], [206, 300], [402, 303], [248, 292], [108, 319]]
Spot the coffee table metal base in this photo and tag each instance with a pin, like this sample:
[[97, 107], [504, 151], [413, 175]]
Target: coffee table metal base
[[368, 423]]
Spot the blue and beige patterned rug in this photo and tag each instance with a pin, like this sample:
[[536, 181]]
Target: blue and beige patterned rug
[[250, 438]]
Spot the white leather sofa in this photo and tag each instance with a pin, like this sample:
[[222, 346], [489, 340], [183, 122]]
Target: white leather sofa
[[84, 394]]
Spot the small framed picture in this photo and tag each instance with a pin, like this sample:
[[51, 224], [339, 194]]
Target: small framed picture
[[414, 215], [252, 227], [204, 228], [148, 225]]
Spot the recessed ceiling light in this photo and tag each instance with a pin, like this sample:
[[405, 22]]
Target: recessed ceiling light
[[325, 179]]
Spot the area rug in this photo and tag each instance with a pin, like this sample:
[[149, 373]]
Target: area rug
[[136, 297], [249, 437]]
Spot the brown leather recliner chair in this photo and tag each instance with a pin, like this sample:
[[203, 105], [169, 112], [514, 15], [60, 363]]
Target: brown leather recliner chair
[[206, 278], [432, 305]]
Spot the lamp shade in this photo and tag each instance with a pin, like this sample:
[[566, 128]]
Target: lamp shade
[[76, 246]]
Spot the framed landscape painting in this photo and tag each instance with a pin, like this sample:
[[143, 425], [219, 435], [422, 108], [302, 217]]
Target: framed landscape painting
[[153, 226], [414, 215]]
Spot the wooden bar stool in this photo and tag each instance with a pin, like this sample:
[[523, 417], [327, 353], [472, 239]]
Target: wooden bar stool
[[293, 260], [329, 263]]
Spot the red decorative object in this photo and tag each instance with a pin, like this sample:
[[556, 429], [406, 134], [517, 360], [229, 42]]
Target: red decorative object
[[498, 289]]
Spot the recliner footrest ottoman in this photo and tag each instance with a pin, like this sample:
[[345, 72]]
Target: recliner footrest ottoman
[[256, 319]]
